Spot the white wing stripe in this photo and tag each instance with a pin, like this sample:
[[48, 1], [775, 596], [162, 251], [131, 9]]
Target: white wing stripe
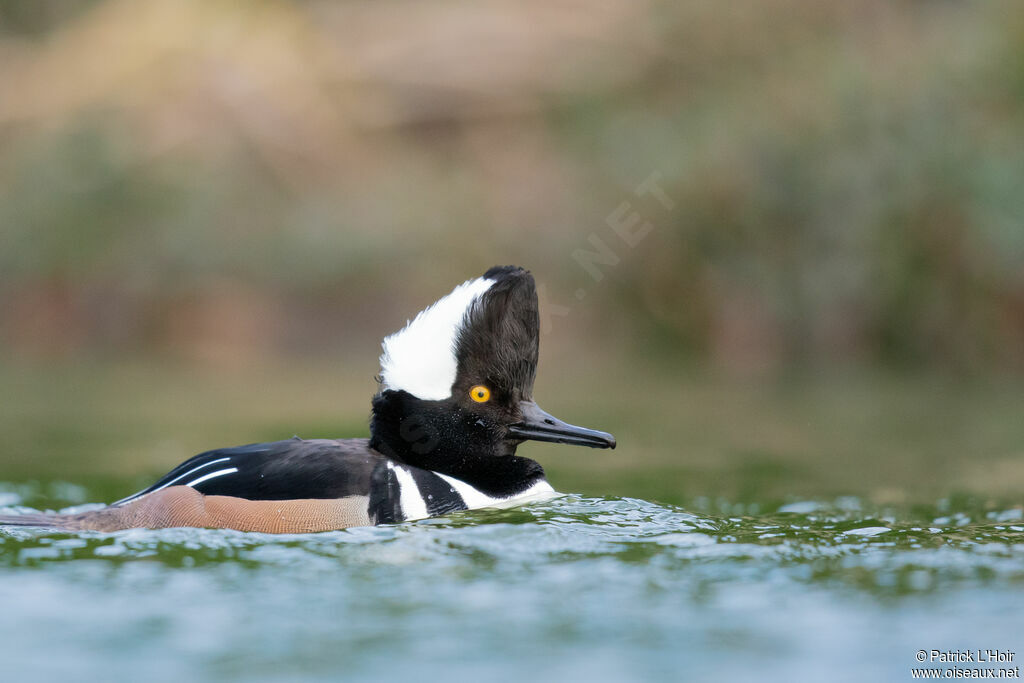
[[171, 482], [191, 471], [211, 475]]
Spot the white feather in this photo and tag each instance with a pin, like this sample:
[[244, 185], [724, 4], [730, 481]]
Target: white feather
[[173, 481], [409, 496], [420, 358], [476, 499], [211, 475]]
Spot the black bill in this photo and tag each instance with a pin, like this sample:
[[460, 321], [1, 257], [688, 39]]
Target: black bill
[[538, 425]]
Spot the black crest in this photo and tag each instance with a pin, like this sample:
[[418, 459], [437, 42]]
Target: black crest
[[500, 336]]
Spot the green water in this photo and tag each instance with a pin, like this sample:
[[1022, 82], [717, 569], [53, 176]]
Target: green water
[[817, 531], [577, 588]]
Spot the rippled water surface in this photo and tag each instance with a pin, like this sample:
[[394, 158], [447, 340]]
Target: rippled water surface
[[572, 589]]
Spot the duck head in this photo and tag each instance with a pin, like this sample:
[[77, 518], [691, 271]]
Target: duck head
[[456, 383]]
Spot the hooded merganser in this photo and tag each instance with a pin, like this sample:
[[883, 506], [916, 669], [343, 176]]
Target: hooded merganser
[[455, 401]]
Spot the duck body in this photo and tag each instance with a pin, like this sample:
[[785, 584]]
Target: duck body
[[293, 486], [454, 403]]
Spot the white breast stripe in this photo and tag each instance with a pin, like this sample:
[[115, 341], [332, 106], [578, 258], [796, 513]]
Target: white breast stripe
[[211, 475], [413, 505], [475, 499], [470, 496]]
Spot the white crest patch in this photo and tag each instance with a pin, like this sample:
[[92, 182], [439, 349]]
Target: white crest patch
[[420, 358]]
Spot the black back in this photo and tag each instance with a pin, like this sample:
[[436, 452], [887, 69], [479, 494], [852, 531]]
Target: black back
[[280, 470]]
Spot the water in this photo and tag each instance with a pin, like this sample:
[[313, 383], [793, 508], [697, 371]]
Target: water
[[576, 588]]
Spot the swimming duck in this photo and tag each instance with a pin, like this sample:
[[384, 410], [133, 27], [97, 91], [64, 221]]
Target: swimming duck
[[455, 401]]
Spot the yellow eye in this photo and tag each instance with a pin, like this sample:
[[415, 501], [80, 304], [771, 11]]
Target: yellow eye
[[480, 393]]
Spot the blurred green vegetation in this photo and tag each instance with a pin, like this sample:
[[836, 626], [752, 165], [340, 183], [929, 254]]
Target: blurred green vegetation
[[211, 212], [198, 177]]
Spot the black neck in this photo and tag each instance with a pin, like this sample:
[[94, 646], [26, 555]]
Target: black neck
[[440, 437]]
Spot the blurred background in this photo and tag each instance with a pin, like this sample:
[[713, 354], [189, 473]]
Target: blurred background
[[780, 245]]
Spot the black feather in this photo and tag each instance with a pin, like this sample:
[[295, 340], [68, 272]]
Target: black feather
[[280, 470]]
